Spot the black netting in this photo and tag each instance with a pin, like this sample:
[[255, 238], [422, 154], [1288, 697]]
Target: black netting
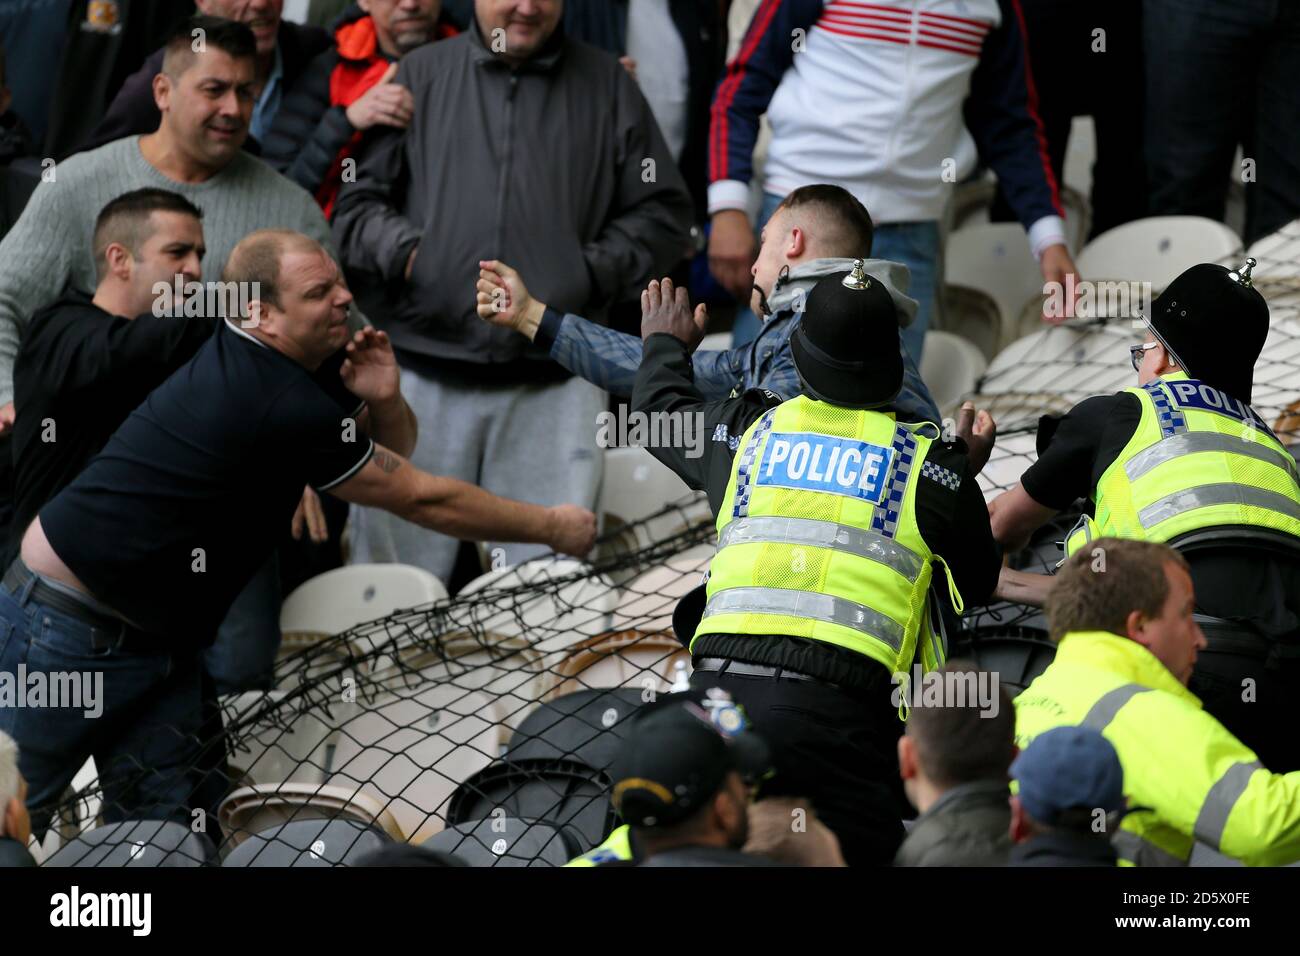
[[484, 724]]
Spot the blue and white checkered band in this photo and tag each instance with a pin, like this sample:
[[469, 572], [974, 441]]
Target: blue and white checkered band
[[744, 474], [944, 476], [885, 519], [1170, 419]]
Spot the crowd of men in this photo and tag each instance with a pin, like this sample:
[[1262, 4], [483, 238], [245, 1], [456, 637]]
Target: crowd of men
[[282, 279]]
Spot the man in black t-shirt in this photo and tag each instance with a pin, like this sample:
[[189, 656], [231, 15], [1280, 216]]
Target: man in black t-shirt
[[1209, 326], [133, 565], [85, 364]]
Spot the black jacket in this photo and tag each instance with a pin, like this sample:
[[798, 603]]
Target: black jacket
[[133, 111], [1062, 848], [14, 854], [968, 826], [954, 523], [19, 170], [309, 131], [546, 167], [603, 23]]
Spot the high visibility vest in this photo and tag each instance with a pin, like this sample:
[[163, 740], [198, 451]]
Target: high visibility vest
[[617, 846], [1199, 459], [817, 535], [1193, 779]]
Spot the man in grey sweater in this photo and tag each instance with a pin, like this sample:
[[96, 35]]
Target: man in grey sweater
[[206, 103], [538, 150]]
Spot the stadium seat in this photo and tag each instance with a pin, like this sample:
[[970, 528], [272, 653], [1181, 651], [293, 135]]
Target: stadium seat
[[634, 487], [1064, 363], [251, 810], [1016, 654], [1278, 257], [339, 600], [564, 793], [951, 368], [646, 603], [150, 843], [715, 342], [409, 749], [621, 659], [973, 315], [994, 259], [1156, 249], [308, 843], [506, 841], [586, 726], [273, 739], [522, 602]]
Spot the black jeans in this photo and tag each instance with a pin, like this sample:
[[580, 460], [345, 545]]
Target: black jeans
[[1074, 76], [1256, 701], [1218, 75], [836, 748]]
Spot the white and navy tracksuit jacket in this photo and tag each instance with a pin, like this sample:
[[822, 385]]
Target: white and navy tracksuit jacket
[[875, 97]]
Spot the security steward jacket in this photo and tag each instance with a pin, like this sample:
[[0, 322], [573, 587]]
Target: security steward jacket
[[1185, 776], [950, 515]]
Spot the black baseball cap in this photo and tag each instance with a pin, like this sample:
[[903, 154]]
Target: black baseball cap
[[846, 345], [1213, 323], [677, 754]]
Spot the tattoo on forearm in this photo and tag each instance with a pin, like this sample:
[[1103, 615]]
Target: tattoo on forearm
[[387, 462]]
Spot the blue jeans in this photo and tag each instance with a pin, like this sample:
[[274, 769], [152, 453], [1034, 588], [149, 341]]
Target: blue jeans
[[143, 731], [914, 244], [243, 656], [1219, 75]]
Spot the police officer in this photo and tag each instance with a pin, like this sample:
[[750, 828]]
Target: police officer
[[832, 519], [1184, 459]]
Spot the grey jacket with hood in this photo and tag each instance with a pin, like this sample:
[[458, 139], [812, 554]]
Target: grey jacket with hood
[[556, 167]]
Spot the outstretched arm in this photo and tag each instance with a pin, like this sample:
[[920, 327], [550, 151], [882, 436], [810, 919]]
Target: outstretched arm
[[465, 511]]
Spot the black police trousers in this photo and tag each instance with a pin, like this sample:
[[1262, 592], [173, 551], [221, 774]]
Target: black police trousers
[[1253, 688], [837, 748]]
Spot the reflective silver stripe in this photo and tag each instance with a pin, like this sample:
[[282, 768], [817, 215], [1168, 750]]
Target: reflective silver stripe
[[1191, 443], [807, 604], [1104, 711], [1223, 796], [824, 534], [1225, 493], [1141, 852]]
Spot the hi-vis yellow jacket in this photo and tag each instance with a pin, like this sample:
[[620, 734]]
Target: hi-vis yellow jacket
[[1197, 780], [818, 538], [1199, 459], [617, 846]]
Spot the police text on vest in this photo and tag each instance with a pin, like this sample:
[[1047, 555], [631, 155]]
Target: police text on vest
[[838, 466]]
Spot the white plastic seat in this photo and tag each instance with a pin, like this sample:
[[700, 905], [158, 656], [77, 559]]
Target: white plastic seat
[[281, 740], [995, 259], [519, 602], [1156, 249], [255, 809], [623, 659], [338, 600], [1071, 361], [951, 368], [715, 342], [410, 750], [974, 316]]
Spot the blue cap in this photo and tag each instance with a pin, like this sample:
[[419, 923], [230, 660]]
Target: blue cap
[[1068, 767]]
